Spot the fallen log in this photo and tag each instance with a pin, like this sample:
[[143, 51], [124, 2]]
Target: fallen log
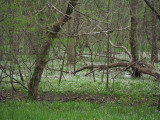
[[128, 67], [100, 55], [141, 67], [102, 67]]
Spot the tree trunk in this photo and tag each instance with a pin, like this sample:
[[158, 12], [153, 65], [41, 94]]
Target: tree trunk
[[71, 53], [133, 41], [159, 104], [41, 58], [154, 53], [39, 67], [70, 47]]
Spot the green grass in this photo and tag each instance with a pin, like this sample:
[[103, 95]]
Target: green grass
[[26, 110]]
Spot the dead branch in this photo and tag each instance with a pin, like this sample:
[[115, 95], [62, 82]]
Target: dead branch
[[153, 9], [103, 67], [123, 47], [51, 69], [140, 67], [101, 55], [101, 32], [128, 67]]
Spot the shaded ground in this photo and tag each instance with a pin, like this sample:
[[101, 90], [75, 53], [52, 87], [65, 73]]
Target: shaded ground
[[6, 95], [71, 97], [45, 96]]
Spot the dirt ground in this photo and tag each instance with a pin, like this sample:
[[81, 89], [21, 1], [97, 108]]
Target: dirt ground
[[12, 95], [100, 99]]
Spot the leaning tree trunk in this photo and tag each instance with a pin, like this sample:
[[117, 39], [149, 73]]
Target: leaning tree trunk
[[41, 58], [132, 39]]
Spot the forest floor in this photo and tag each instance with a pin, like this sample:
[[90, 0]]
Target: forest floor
[[100, 99], [18, 95], [49, 106], [80, 98]]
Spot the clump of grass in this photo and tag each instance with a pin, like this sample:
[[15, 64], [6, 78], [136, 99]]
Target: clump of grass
[[26, 110]]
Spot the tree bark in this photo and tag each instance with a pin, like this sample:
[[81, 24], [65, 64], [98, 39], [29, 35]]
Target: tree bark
[[41, 58], [154, 53], [70, 47], [159, 104], [71, 53], [133, 40]]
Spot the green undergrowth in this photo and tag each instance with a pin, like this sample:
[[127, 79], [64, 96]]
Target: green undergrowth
[[85, 85], [128, 91], [26, 110]]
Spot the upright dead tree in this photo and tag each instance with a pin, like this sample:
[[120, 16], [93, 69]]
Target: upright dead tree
[[41, 58]]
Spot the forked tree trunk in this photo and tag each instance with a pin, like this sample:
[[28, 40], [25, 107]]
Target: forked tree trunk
[[41, 58]]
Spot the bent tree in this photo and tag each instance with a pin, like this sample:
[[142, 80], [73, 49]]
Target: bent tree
[[41, 57]]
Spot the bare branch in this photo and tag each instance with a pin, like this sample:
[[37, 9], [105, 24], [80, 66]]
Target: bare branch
[[56, 8], [153, 9], [100, 32], [128, 67], [123, 47]]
